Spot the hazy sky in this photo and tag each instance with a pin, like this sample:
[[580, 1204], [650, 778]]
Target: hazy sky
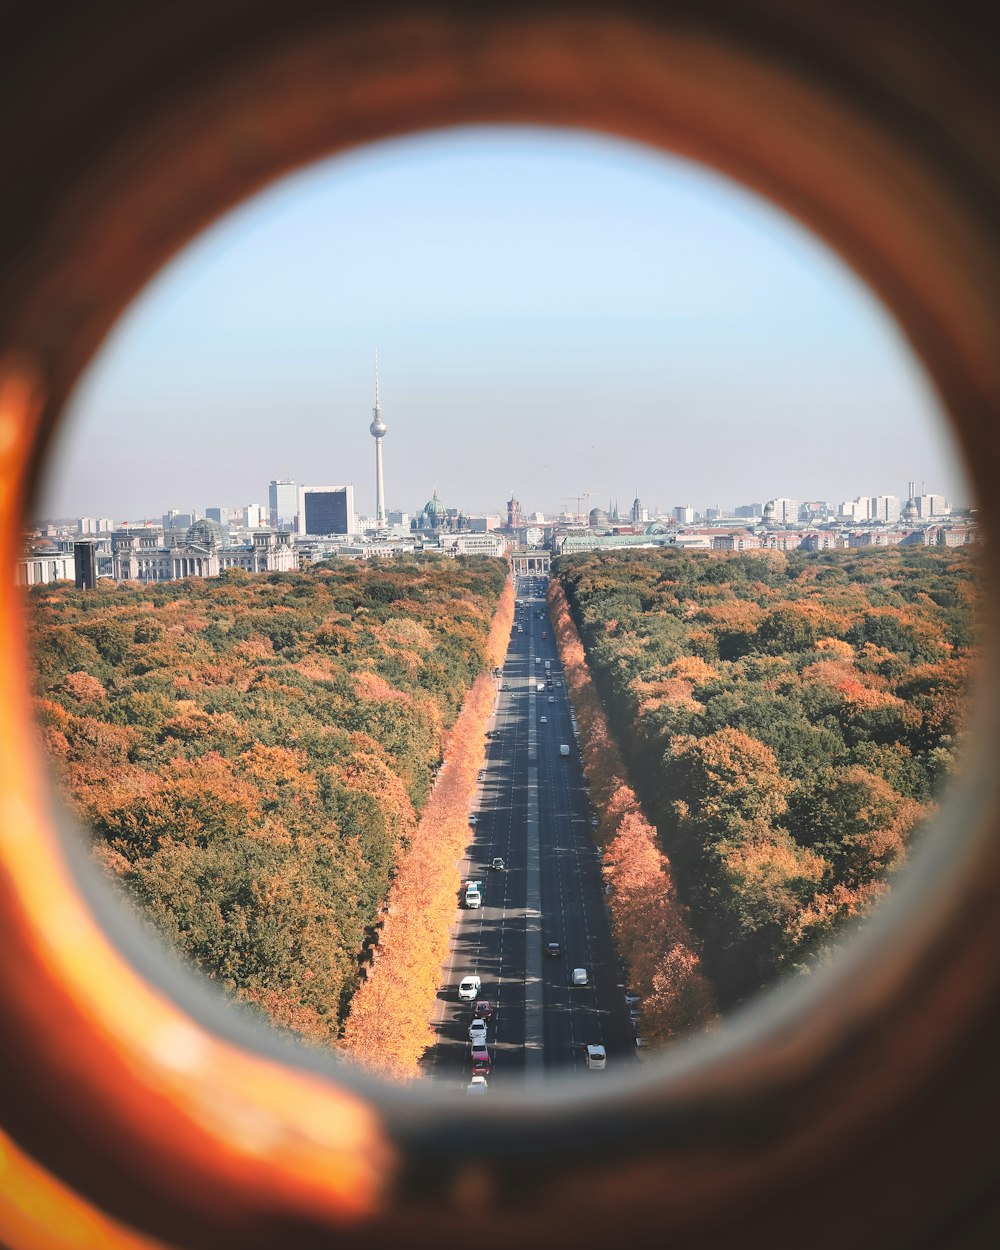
[[556, 313]]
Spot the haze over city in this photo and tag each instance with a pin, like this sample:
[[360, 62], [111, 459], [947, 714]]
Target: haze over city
[[556, 313]]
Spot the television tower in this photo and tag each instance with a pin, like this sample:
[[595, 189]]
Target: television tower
[[377, 431]]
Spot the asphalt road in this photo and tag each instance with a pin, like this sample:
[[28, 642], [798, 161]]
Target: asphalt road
[[532, 810]]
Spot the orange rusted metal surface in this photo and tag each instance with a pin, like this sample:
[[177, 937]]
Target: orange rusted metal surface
[[854, 1103]]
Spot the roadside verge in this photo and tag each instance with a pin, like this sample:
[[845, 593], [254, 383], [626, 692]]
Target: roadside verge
[[648, 921], [388, 1026]]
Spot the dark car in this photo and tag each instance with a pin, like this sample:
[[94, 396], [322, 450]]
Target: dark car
[[483, 1010], [480, 1061], [553, 949]]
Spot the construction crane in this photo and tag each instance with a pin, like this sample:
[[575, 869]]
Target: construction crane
[[582, 495]]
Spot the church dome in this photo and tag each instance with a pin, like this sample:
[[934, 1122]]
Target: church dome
[[655, 527], [207, 533], [434, 507]]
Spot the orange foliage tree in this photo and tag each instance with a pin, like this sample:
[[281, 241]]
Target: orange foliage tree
[[648, 921], [388, 1026]]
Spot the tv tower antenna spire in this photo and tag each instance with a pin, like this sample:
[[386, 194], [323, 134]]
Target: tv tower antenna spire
[[377, 430]]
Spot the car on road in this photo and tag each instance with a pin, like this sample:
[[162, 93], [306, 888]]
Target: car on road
[[468, 988], [597, 1057], [594, 821], [477, 1086], [497, 863], [481, 774], [483, 1009], [477, 1032], [543, 720], [553, 949], [552, 698], [544, 636], [473, 818], [579, 977], [481, 1064], [473, 894], [563, 749]]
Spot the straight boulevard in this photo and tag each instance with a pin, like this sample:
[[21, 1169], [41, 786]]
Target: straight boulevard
[[532, 811]]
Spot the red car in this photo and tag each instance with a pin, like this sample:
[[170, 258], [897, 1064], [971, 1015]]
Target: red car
[[484, 1010], [480, 1061], [544, 635]]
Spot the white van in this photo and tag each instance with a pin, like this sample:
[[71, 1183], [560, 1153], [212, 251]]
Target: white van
[[563, 749], [473, 895], [597, 1057]]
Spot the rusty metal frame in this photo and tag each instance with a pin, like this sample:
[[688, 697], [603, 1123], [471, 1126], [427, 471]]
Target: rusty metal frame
[[853, 1109]]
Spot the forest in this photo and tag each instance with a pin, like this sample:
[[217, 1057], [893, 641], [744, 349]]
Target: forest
[[788, 721], [251, 753]]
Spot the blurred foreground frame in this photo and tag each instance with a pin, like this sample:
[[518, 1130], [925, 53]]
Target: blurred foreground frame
[[856, 1108]]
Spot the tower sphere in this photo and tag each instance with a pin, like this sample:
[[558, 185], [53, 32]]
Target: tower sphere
[[378, 426]]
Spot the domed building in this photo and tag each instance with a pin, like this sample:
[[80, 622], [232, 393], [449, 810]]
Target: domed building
[[433, 514], [598, 519], [207, 533]]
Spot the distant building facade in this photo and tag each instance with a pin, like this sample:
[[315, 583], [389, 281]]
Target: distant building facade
[[283, 503], [327, 510]]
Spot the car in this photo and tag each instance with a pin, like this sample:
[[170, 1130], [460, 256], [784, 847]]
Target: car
[[481, 774], [473, 818], [481, 1064], [505, 685], [552, 698], [563, 749], [477, 1086], [579, 977], [473, 895], [543, 720], [468, 988], [497, 863], [538, 659], [553, 949], [597, 1058], [483, 1009], [544, 636], [594, 821], [477, 1032]]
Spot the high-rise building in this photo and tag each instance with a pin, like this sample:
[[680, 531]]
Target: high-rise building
[[175, 520], [747, 511], [85, 564], [220, 515], [932, 505], [684, 514], [252, 517], [514, 518], [283, 503], [328, 510], [785, 511], [885, 508], [377, 431]]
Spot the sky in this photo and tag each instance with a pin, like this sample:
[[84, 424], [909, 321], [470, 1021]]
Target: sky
[[557, 314]]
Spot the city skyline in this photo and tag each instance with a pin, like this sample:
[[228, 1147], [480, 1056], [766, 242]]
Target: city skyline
[[556, 309]]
